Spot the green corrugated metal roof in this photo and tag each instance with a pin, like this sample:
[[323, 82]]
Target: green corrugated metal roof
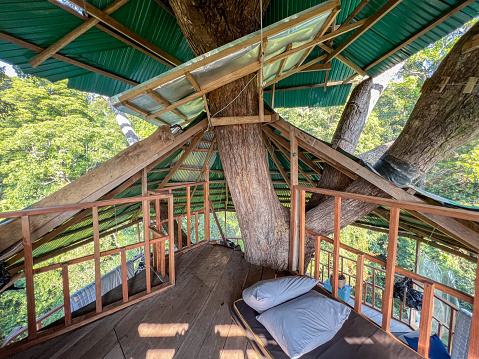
[[42, 23]]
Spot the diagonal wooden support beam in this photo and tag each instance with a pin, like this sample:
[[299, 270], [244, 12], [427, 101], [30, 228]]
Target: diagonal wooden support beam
[[355, 12], [166, 58], [163, 102], [276, 161], [318, 67], [216, 220], [344, 60], [182, 159], [197, 87], [28, 45], [295, 70], [370, 22], [74, 34], [205, 164], [460, 6]]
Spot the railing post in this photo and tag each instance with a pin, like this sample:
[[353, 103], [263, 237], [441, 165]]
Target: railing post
[[161, 265], [474, 338], [317, 257], [294, 237], [358, 289], [336, 244], [124, 276], [29, 284], [390, 268], [302, 230], [146, 234], [425, 325], [180, 234], [96, 247], [171, 241], [206, 215], [188, 215], [67, 310], [197, 220]]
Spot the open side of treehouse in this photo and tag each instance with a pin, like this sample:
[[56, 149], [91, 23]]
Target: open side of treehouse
[[177, 175]]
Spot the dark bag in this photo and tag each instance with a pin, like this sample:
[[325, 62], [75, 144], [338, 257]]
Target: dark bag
[[404, 291]]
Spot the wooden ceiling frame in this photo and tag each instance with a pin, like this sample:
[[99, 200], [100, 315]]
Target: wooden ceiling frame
[[276, 161], [106, 19], [29, 46], [355, 12], [462, 5], [74, 34], [165, 103], [370, 22]]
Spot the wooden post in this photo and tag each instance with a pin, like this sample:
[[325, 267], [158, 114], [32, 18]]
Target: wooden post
[[146, 234], [426, 319], [206, 193], [171, 241], [161, 265], [302, 230], [67, 310], [336, 243], [390, 268], [474, 338], [317, 257], [180, 235], [188, 215], [29, 284], [294, 239], [96, 246], [197, 220], [412, 312], [124, 276], [358, 289]]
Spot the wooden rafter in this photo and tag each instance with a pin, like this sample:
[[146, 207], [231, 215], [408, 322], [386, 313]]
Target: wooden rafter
[[318, 67], [344, 60], [295, 70], [370, 22], [277, 163], [74, 34], [293, 88], [283, 62], [182, 159], [463, 4], [166, 7], [205, 164], [33, 47], [167, 59], [163, 102], [355, 12], [197, 87], [238, 120]]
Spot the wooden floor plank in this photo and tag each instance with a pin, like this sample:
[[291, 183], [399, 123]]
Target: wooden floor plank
[[115, 353]]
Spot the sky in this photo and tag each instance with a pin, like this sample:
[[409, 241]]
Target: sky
[[9, 71]]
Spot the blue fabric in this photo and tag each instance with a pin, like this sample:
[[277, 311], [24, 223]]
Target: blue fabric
[[344, 293], [437, 350]]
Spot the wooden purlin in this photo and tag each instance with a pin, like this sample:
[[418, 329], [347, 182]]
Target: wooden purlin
[[74, 34], [447, 225]]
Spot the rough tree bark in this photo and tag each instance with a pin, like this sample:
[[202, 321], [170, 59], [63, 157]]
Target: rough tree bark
[[346, 136], [439, 123], [264, 222]]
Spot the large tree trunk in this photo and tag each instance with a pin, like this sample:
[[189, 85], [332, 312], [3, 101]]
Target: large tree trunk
[[439, 123], [264, 222], [124, 123], [346, 136]]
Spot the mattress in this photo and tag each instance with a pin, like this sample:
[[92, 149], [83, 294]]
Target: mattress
[[357, 338]]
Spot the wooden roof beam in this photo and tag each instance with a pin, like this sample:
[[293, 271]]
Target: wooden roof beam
[[344, 60], [166, 58], [318, 67], [295, 70], [305, 87], [74, 34], [163, 102], [33, 47], [166, 7], [355, 12], [463, 4], [278, 165], [370, 22]]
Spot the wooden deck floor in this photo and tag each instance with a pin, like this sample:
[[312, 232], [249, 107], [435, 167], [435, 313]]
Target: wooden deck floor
[[190, 320]]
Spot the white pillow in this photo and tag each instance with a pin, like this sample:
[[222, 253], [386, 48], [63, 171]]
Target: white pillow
[[269, 293], [304, 323]]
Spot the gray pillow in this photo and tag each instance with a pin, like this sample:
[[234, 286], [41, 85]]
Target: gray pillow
[[269, 293], [304, 323]]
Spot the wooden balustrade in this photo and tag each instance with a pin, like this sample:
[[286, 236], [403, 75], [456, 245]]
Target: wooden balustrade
[[391, 270]]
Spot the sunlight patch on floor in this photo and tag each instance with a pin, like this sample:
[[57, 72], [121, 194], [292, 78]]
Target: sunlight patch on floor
[[157, 330], [160, 354], [228, 330]]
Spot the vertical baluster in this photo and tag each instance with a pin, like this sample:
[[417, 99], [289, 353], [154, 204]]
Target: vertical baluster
[[96, 246], [425, 325], [124, 276], [474, 338], [452, 324], [390, 268], [180, 235], [171, 240], [197, 235], [29, 284], [337, 229], [161, 265], [146, 233], [206, 204], [188, 215], [302, 230], [358, 295], [317, 259], [329, 266], [294, 225], [373, 289], [67, 310]]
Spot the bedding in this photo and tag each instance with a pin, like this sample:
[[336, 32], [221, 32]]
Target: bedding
[[304, 323], [357, 338], [267, 294]]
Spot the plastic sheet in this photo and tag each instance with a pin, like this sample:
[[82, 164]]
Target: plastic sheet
[[395, 170]]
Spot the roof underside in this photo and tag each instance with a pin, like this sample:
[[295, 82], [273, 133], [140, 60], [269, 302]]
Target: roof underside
[[41, 22]]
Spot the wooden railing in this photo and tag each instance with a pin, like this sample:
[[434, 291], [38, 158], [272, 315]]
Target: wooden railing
[[33, 325], [392, 270], [372, 284]]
